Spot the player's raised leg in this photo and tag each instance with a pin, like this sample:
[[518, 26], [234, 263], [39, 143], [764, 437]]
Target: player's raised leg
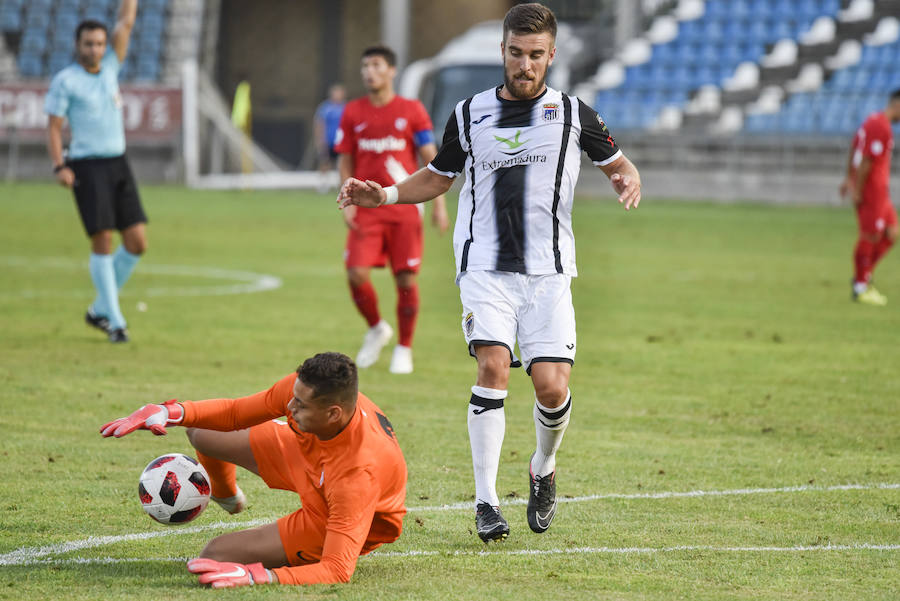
[[487, 427], [220, 452], [552, 408]]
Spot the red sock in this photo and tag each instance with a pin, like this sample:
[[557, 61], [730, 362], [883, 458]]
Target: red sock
[[222, 476], [407, 311], [366, 302], [881, 249], [862, 258]]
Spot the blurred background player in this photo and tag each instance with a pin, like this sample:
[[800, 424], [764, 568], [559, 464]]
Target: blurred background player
[[379, 137], [95, 168], [325, 125], [868, 172], [515, 248], [337, 450]]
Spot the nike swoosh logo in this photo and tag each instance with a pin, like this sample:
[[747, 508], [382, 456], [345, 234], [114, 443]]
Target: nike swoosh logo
[[237, 573], [360, 127]]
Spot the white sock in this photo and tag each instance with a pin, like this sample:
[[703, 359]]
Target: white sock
[[549, 426], [487, 425], [860, 287]]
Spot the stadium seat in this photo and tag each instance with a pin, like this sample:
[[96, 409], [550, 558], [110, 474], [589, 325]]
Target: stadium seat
[[30, 65], [10, 19]]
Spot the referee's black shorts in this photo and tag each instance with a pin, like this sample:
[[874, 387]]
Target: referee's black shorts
[[106, 194]]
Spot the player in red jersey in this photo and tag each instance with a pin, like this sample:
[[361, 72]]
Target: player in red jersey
[[868, 172], [379, 139]]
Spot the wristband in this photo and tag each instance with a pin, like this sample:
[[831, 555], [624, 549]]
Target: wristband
[[391, 195], [59, 168]]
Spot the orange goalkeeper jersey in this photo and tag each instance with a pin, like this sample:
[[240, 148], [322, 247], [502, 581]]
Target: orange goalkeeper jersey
[[354, 484]]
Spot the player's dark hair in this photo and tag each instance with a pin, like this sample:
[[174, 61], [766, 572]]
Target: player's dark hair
[[89, 25], [332, 377], [895, 95], [383, 51], [529, 18]]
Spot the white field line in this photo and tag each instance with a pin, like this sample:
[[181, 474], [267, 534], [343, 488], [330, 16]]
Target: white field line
[[512, 553], [29, 555], [249, 281]]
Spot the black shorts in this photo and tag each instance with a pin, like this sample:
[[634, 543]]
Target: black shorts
[[106, 194]]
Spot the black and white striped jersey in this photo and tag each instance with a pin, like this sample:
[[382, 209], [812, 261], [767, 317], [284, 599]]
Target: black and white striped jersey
[[521, 159]]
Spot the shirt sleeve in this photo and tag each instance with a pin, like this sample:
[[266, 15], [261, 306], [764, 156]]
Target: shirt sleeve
[[227, 415], [111, 61], [451, 158], [595, 138], [344, 137], [351, 508], [422, 126], [877, 141], [57, 101]]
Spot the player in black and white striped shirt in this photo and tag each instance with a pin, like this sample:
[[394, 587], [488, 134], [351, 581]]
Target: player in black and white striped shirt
[[519, 146]]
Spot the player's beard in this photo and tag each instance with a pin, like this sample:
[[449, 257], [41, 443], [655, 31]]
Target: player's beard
[[521, 90]]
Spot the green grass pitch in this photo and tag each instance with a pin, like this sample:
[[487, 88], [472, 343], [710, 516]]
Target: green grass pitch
[[718, 351]]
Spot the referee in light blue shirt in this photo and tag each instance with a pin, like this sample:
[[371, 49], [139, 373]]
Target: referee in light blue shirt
[[87, 94]]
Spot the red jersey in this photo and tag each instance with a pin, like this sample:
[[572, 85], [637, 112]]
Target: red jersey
[[382, 141], [874, 140]]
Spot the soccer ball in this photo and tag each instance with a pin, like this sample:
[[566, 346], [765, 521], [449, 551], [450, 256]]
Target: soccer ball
[[174, 489]]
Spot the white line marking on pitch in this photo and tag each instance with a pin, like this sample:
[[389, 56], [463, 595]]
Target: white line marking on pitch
[[27, 555], [512, 552], [249, 281]]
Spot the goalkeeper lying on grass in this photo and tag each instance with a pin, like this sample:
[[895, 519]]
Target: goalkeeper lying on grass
[[337, 450]]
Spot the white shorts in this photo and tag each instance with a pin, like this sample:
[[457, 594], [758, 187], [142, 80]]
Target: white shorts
[[501, 308]]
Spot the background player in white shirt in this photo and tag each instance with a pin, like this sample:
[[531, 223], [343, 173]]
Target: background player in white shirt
[[520, 146]]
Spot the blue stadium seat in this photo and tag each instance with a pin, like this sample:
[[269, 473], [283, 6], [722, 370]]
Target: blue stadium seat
[[147, 69], [34, 41], [10, 18], [59, 61], [30, 65]]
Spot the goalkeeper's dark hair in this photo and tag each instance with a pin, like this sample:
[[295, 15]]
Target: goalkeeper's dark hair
[[895, 95], [529, 18], [89, 25], [332, 377], [389, 56]]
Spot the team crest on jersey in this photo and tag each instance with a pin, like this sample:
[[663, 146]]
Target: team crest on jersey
[[469, 324], [400, 124], [551, 111]]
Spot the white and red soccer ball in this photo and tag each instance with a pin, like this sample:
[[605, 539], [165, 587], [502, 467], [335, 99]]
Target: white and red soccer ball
[[174, 489]]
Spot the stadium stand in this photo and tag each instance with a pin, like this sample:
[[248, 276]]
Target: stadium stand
[[39, 33], [760, 66]]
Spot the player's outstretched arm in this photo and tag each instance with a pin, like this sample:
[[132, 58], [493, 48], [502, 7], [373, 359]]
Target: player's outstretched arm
[[149, 417], [625, 180], [121, 34], [421, 186]]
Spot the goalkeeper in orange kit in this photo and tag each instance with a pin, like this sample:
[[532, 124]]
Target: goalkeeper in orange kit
[[337, 450]]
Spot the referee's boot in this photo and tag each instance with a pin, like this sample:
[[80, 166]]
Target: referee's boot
[[118, 335], [97, 321]]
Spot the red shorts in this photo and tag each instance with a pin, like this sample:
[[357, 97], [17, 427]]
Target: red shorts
[[281, 465], [874, 218], [395, 236]]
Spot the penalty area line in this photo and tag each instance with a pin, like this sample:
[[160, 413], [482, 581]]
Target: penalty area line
[[26, 555]]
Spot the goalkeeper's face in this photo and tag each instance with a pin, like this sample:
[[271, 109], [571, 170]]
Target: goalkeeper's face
[[315, 416], [526, 58], [91, 47], [377, 74]]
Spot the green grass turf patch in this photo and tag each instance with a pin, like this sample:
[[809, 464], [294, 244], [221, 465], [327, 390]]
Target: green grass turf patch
[[718, 349]]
